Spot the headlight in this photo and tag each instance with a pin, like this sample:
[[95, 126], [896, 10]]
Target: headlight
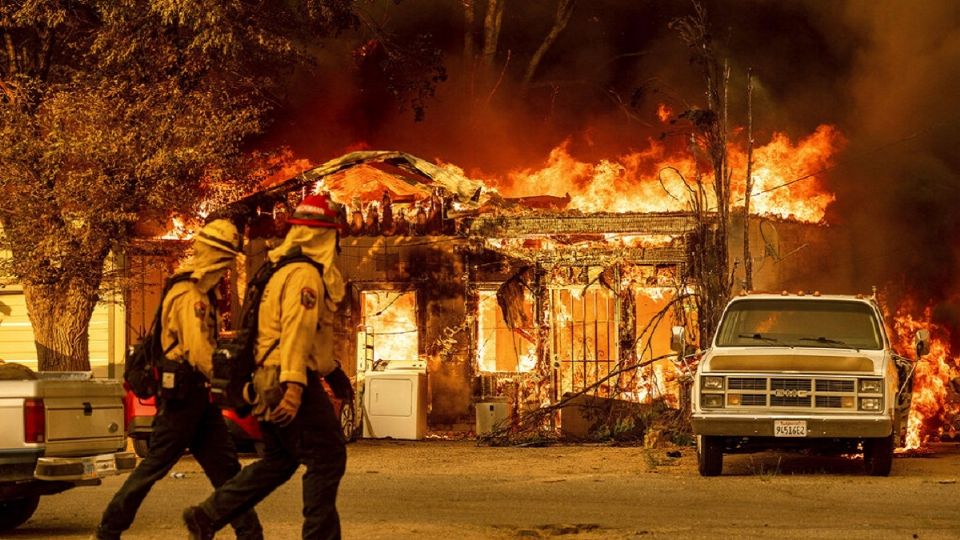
[[713, 401], [712, 383], [871, 386], [869, 404]]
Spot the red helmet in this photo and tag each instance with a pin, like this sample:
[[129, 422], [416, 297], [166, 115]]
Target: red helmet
[[317, 211]]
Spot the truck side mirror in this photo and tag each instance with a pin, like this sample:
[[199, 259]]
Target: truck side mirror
[[678, 341], [921, 342]]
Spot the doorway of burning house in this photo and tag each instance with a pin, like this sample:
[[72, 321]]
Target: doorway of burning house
[[388, 334], [502, 349], [584, 338]]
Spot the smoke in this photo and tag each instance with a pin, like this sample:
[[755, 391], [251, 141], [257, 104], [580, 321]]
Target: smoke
[[898, 186], [886, 73]]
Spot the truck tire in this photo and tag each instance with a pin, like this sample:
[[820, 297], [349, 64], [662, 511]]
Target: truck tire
[[141, 446], [16, 512], [878, 455], [709, 455]]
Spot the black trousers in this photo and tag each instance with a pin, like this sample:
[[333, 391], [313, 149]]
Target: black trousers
[[192, 423], [314, 439]]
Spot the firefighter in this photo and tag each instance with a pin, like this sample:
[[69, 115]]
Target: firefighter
[[295, 345], [186, 418]]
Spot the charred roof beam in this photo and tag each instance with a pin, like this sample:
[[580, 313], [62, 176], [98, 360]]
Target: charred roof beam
[[630, 223]]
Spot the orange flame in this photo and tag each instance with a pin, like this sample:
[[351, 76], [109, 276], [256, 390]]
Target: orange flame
[[664, 112], [391, 317], [930, 409], [656, 180]]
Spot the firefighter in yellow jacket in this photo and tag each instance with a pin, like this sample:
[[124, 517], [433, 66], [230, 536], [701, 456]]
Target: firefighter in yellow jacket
[[186, 418], [295, 344]]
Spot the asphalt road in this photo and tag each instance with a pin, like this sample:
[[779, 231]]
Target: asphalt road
[[447, 489]]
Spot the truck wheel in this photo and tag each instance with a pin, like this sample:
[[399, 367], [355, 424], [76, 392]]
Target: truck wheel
[[709, 455], [878, 455], [141, 447], [14, 513]]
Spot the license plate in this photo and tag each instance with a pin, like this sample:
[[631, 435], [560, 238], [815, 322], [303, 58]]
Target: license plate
[[106, 465], [100, 466], [789, 428]]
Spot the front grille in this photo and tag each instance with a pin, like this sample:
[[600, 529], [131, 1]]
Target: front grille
[[826, 394], [790, 384], [830, 402], [789, 401], [746, 383], [834, 385], [753, 400]]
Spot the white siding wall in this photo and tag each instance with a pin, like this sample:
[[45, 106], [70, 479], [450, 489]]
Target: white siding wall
[[17, 342]]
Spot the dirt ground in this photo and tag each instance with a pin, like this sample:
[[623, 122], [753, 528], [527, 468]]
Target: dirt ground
[[456, 489]]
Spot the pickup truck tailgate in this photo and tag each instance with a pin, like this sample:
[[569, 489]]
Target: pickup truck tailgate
[[83, 417]]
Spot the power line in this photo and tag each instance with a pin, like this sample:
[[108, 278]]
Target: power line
[[842, 162]]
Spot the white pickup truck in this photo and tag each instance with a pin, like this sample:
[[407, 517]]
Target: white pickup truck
[[60, 430], [801, 371]]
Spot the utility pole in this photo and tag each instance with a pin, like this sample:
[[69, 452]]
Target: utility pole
[[747, 260]]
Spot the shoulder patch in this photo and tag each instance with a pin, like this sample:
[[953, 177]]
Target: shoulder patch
[[200, 310], [308, 297]]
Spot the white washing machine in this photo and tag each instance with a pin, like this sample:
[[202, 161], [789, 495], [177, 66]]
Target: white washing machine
[[395, 404]]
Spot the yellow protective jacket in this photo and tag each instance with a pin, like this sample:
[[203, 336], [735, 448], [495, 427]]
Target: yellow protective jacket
[[190, 320], [296, 324]]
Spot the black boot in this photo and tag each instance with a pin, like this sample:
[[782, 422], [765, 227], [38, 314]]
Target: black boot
[[198, 523]]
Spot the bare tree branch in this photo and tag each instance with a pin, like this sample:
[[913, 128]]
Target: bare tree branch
[[564, 12]]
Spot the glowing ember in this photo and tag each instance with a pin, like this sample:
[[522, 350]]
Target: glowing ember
[[664, 112], [179, 230], [638, 240], [930, 411]]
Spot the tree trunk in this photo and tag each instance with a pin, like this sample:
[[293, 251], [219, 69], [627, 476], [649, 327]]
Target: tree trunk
[[747, 256], [564, 11], [491, 32], [469, 41], [60, 314]]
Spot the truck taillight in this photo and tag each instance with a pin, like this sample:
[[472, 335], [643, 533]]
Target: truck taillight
[[127, 412], [34, 421]]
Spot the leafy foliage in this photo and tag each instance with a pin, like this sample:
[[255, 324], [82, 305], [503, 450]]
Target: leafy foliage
[[115, 109]]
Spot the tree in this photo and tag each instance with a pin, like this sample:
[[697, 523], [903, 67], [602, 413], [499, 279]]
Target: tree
[[564, 12], [710, 264], [113, 109], [492, 20]]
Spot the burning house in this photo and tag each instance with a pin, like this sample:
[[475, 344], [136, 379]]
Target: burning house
[[517, 301]]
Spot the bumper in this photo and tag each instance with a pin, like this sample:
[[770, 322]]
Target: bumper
[[762, 426], [140, 426], [85, 468]]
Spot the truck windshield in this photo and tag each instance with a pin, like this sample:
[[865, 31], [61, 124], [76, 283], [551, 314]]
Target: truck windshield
[[800, 323]]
